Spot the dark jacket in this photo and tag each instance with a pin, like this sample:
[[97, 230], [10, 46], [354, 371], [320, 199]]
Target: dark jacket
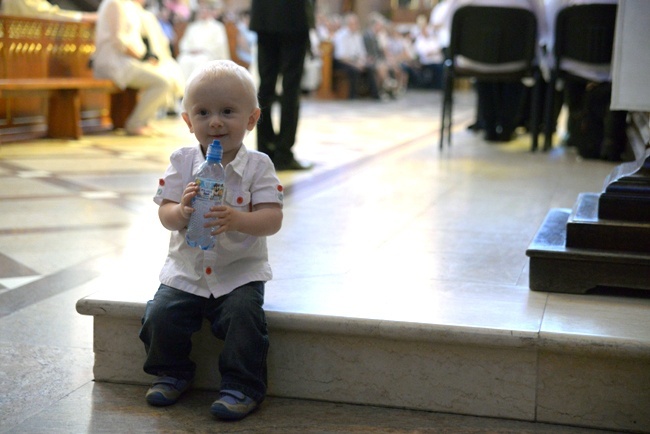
[[282, 16]]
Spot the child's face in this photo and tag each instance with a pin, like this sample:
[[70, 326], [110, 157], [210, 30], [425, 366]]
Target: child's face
[[220, 109]]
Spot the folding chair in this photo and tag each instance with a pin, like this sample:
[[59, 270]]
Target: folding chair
[[501, 43], [583, 33]]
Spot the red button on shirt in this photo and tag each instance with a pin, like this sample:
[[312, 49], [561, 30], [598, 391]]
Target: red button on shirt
[[240, 200], [208, 270]]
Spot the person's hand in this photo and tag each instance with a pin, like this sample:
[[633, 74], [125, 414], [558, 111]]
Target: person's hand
[[222, 219], [150, 58], [186, 201], [89, 17]]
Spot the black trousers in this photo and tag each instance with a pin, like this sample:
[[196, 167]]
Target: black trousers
[[500, 106], [280, 55]]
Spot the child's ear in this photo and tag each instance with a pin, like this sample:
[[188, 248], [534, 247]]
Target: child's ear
[[253, 118], [187, 120]]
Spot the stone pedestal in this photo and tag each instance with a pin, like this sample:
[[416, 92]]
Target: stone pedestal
[[604, 241]]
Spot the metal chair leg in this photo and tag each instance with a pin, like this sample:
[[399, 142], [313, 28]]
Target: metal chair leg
[[534, 111], [548, 112]]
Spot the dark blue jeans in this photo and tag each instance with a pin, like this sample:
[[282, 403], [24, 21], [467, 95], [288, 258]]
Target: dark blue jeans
[[237, 318]]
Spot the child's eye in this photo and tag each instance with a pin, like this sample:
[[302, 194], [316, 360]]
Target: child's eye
[[227, 111], [203, 112]]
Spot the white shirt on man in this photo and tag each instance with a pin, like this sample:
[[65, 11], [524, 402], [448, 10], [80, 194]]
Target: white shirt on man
[[349, 46]]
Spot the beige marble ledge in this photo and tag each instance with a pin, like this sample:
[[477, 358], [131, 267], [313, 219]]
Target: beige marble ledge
[[571, 336], [132, 305], [605, 325]]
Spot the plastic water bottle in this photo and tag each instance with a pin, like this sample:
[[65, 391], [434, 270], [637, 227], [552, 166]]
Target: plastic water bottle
[[210, 178]]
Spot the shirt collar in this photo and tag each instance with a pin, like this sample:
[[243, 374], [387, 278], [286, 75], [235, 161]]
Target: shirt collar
[[240, 161], [238, 164]]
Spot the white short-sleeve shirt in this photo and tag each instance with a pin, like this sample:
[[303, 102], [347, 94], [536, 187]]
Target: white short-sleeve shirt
[[236, 258]]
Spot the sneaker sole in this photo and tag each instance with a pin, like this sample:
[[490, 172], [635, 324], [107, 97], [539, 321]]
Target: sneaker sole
[[158, 400], [222, 412]]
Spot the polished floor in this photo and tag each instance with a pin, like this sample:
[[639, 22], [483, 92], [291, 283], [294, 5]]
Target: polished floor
[[385, 226]]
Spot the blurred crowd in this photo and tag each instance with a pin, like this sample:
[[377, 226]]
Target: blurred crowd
[[388, 57], [383, 58], [379, 58]]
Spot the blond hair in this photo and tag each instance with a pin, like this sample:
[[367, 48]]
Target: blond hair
[[218, 69]]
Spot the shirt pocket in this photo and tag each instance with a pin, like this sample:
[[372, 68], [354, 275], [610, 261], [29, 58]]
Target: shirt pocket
[[239, 200]]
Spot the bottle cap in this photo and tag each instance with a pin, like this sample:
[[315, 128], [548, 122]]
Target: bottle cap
[[215, 151]]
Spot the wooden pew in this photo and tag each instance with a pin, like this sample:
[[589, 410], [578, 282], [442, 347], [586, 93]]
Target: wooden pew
[[334, 83], [46, 85], [64, 118]]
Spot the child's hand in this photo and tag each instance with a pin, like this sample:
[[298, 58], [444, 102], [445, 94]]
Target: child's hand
[[223, 219], [265, 219], [186, 201]]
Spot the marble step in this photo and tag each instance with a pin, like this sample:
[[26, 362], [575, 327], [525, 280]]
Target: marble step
[[544, 376]]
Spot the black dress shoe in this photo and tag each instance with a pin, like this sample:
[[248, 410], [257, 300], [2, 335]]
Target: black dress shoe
[[292, 165]]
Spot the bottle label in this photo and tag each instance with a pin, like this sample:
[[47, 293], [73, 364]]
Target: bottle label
[[209, 190]]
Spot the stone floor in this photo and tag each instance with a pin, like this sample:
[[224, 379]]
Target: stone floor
[[381, 200]]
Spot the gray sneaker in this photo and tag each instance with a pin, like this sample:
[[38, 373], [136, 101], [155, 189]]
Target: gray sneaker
[[232, 405], [166, 391]]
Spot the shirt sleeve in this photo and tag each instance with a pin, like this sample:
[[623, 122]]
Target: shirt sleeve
[[172, 184], [266, 187]]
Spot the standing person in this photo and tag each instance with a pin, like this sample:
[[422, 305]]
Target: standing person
[[224, 285], [282, 28], [122, 56]]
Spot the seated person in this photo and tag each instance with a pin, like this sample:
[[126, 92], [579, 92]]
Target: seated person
[[122, 56], [158, 45], [592, 128], [350, 56], [430, 58], [246, 39], [499, 103], [371, 38], [204, 39], [400, 56]]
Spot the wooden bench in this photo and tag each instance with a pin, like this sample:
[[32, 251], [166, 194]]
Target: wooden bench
[[334, 84], [64, 100], [47, 87]]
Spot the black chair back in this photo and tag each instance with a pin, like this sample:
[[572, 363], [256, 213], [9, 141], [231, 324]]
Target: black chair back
[[585, 33], [494, 35]]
